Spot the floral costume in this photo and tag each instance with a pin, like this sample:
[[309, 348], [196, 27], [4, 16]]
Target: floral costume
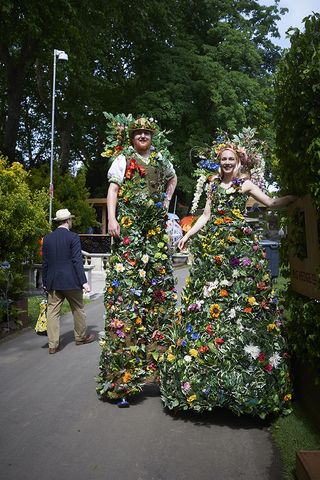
[[227, 348], [140, 297]]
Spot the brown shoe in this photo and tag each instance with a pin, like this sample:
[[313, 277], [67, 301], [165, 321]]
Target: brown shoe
[[88, 339], [54, 350]]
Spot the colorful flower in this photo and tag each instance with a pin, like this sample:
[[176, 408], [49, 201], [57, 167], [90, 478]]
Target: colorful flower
[[215, 310]]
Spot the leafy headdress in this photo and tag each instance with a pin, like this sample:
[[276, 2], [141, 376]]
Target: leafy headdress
[[249, 150], [119, 131]]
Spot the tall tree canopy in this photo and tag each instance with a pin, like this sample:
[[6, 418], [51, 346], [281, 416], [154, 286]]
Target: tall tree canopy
[[194, 65]]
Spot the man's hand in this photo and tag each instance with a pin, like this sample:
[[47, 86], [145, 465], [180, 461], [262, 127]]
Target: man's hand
[[86, 287]]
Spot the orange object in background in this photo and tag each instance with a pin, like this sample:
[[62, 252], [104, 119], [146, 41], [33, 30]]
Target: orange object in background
[[186, 222], [40, 246]]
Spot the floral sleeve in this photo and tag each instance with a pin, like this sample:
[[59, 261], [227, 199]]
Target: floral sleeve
[[117, 170]]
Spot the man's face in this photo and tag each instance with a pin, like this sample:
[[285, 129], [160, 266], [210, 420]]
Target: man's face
[[141, 140]]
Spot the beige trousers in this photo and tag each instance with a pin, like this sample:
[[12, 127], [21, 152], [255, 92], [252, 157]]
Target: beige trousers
[[55, 300]]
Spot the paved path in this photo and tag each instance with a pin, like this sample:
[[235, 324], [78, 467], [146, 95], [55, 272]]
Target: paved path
[[53, 426]]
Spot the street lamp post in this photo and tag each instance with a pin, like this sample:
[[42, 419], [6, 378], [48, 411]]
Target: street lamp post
[[60, 55]]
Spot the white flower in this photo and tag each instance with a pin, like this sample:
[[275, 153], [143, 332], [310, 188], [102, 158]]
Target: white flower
[[225, 283], [209, 287], [145, 258], [199, 189], [232, 313], [252, 350], [119, 267], [187, 358], [275, 360], [235, 274], [142, 273]]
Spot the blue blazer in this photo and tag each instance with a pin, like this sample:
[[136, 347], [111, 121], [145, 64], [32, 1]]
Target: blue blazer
[[62, 261]]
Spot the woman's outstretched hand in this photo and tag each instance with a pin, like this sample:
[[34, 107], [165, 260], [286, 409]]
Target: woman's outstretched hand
[[182, 242]]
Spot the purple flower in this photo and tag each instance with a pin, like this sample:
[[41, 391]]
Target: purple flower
[[234, 262], [183, 343], [246, 261], [154, 281], [189, 328], [120, 333], [195, 336], [159, 204], [115, 283]]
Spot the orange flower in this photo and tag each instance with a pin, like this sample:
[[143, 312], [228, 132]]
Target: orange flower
[[218, 259], [227, 220], [218, 221], [231, 239], [138, 321], [247, 310], [223, 293], [127, 377], [110, 290]]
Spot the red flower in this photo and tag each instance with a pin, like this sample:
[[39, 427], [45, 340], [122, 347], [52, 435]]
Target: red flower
[[203, 349], [261, 357], [209, 329], [159, 295], [268, 367], [262, 286], [157, 335], [118, 148], [126, 240], [219, 341]]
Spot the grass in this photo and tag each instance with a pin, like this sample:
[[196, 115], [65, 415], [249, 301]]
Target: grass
[[291, 434]]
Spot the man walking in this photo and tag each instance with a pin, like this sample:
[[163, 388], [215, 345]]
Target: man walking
[[63, 277]]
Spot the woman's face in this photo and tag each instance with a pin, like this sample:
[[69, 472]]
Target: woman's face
[[228, 161], [141, 140]]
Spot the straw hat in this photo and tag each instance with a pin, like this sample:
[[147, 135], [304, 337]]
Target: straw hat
[[63, 214]]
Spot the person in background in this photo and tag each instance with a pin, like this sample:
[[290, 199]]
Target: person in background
[[64, 278]]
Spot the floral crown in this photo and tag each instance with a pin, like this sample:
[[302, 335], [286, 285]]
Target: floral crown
[[249, 150], [144, 123], [240, 151]]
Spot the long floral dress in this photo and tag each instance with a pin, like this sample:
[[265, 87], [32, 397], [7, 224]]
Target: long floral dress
[[140, 298], [227, 348]]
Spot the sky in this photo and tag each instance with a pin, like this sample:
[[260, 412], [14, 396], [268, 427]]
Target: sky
[[298, 9]]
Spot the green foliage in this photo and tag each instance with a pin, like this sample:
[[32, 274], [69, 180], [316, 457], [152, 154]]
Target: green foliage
[[70, 192], [297, 110], [22, 223], [23, 214]]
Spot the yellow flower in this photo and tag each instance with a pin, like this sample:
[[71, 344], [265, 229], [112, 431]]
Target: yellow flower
[[236, 212], [252, 301], [192, 398], [215, 310], [138, 321], [126, 222], [108, 153], [158, 229], [287, 397], [170, 357], [271, 327], [151, 233], [193, 352], [218, 221], [110, 290]]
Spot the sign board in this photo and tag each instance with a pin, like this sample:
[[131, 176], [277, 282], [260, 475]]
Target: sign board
[[304, 255]]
